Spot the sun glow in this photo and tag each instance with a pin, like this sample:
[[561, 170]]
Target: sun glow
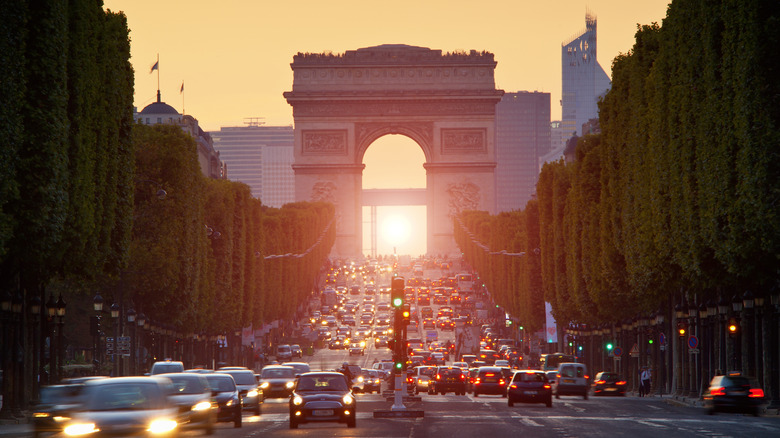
[[396, 229]]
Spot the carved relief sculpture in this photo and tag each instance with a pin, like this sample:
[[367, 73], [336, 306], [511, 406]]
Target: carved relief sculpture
[[463, 196], [325, 142], [455, 141]]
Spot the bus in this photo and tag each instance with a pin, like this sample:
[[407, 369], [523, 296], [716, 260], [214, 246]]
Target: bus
[[465, 283], [550, 362]]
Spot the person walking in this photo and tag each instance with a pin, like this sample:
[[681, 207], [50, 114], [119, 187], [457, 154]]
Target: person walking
[[645, 382]]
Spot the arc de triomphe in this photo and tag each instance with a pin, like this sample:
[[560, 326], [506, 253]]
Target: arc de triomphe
[[444, 102]]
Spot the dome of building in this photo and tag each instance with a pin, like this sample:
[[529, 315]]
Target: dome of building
[[159, 108]]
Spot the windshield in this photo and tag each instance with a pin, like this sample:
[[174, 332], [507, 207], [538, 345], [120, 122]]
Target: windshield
[[243, 378], [184, 385], [221, 384], [322, 383], [124, 396], [278, 373]]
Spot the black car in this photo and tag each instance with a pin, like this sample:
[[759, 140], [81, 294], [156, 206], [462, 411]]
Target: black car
[[225, 393], [489, 380], [251, 394], [609, 383], [529, 386], [448, 379], [322, 396], [733, 393], [277, 381], [192, 395], [56, 402]]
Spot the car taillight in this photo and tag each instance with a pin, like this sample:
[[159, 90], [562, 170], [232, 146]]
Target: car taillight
[[587, 377], [622, 382], [718, 391], [489, 375], [513, 386], [547, 387], [601, 382], [438, 377], [476, 380], [501, 382], [756, 393]]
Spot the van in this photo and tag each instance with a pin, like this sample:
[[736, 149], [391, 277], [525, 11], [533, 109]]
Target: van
[[571, 379]]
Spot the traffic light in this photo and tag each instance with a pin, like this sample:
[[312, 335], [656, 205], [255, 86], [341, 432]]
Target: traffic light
[[610, 346], [681, 328], [406, 313], [397, 292], [733, 327]]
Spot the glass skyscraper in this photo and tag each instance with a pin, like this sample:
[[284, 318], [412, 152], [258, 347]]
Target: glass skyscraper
[[584, 80]]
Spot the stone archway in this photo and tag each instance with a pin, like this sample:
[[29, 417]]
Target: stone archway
[[445, 102]]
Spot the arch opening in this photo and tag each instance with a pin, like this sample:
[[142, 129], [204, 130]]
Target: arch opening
[[393, 177]]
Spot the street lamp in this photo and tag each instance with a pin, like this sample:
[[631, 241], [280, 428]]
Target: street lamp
[[115, 347], [60, 311]]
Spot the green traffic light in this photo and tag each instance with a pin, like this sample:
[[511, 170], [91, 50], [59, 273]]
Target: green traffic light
[[609, 346], [571, 344], [397, 302], [649, 341], [398, 365]]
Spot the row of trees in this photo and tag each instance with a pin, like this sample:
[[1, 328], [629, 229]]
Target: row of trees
[[677, 198], [80, 215]]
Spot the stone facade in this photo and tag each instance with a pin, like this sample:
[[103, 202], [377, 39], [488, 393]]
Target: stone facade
[[444, 102]]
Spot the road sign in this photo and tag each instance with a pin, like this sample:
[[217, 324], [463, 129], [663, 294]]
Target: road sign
[[634, 351], [617, 351], [693, 342], [662, 339]]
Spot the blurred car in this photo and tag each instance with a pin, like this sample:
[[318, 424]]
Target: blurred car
[[225, 393], [322, 396], [55, 406], [166, 366], [277, 381], [429, 323], [448, 379], [251, 395], [607, 383], [422, 378], [357, 350], [296, 351], [571, 379], [283, 352], [192, 395], [733, 393], [438, 358], [529, 386], [463, 365], [489, 380], [367, 381], [125, 406], [298, 367]]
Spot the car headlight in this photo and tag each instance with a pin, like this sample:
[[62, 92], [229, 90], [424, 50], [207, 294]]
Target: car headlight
[[162, 426], [202, 406], [80, 429], [229, 403], [252, 393], [264, 385], [360, 379], [289, 384], [348, 400], [297, 400]]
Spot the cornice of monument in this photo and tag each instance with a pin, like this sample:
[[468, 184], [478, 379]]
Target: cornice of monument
[[393, 55]]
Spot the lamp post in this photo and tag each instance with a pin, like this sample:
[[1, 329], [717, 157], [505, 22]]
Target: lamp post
[[115, 310], [131, 323], [748, 346], [140, 323], [736, 306], [60, 311], [97, 305], [723, 311]]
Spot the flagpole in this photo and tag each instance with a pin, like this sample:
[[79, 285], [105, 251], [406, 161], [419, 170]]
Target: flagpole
[[158, 74], [182, 98]]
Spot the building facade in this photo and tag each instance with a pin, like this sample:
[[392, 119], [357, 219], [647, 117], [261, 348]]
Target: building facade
[[260, 157], [584, 80], [159, 112], [522, 138]]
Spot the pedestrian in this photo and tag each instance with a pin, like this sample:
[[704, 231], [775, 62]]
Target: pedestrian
[[645, 384]]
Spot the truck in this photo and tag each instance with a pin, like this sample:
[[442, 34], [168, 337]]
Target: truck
[[328, 298]]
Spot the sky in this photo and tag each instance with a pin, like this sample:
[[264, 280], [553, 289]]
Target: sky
[[233, 56]]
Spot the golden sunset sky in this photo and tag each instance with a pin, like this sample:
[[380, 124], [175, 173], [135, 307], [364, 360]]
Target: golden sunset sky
[[234, 56]]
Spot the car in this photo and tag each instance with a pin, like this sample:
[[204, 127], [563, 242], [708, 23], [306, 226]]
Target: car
[[448, 379], [337, 343], [322, 396], [357, 350], [367, 381], [422, 377], [733, 392], [463, 365], [251, 395], [296, 351], [192, 395], [166, 366], [277, 381], [438, 358], [609, 383], [298, 367], [529, 386], [283, 352], [54, 405], [125, 406], [571, 379], [488, 356], [429, 323], [490, 380], [225, 393], [501, 363]]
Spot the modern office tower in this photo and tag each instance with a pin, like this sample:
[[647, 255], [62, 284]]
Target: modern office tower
[[522, 137], [584, 80], [261, 157]]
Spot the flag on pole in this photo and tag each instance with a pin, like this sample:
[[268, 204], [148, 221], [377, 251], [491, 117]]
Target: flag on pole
[[155, 67], [182, 87]]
